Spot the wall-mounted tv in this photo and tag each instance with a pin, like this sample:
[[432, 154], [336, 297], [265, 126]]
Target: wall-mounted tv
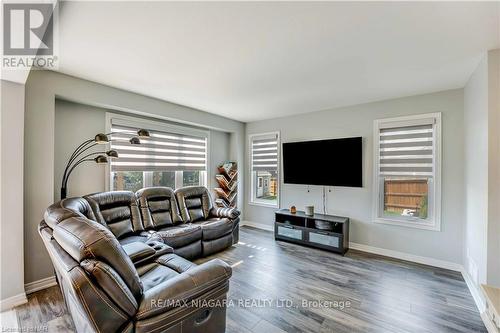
[[335, 162]]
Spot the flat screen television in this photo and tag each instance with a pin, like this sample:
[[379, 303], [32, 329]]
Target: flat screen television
[[335, 162]]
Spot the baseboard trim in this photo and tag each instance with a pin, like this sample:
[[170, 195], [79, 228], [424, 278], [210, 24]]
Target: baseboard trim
[[490, 326], [477, 295], [407, 256], [40, 284], [11, 302], [475, 291], [257, 225]]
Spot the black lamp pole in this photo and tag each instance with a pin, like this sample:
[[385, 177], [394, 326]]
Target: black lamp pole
[[102, 156]]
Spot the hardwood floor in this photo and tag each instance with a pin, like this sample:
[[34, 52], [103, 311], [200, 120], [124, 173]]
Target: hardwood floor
[[360, 292]]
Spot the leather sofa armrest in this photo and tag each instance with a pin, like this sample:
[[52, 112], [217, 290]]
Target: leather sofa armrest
[[230, 213], [138, 251], [183, 288]]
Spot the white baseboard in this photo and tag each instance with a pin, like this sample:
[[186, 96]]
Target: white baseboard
[[257, 225], [475, 291], [11, 302], [40, 284], [490, 326], [407, 256]]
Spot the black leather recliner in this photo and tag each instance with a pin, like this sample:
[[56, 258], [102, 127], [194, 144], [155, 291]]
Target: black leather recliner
[[219, 226], [120, 264]]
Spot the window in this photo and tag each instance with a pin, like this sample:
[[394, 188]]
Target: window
[[407, 171], [264, 164], [169, 157]]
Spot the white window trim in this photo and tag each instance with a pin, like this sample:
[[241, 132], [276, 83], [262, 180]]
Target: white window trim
[[159, 125], [256, 202], [434, 223]]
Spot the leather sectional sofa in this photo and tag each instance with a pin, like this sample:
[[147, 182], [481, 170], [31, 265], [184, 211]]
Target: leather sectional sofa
[[121, 259]]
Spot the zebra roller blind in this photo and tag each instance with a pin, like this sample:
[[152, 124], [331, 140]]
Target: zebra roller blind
[[265, 153], [407, 150], [163, 151]]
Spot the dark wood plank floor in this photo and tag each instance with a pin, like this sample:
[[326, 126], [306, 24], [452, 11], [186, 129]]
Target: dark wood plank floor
[[360, 292]]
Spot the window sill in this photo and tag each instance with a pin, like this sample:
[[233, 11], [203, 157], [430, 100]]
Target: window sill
[[263, 204], [409, 224]]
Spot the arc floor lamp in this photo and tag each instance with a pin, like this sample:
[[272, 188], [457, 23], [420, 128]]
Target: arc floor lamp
[[99, 157]]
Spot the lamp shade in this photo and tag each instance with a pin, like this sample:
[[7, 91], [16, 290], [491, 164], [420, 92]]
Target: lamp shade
[[135, 141], [101, 138], [143, 133], [101, 159], [112, 153]]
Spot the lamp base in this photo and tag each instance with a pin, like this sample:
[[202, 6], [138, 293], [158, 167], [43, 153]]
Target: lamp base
[[63, 193]]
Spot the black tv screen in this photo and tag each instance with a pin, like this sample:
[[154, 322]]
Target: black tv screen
[[335, 162]]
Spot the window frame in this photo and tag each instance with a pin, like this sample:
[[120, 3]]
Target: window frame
[[252, 200], [159, 126], [433, 222]]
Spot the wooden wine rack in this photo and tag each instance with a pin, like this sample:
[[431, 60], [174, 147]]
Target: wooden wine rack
[[228, 185]]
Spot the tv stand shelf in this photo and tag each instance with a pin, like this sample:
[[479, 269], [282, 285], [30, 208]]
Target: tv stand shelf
[[322, 231]]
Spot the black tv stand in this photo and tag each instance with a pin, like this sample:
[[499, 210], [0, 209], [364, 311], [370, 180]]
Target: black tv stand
[[332, 234]]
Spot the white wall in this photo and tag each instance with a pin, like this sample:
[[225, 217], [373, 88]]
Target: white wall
[[11, 194], [482, 174], [90, 178], [42, 90], [493, 275], [356, 203], [476, 172]]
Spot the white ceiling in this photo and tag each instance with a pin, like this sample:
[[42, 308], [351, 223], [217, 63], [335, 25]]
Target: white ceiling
[[252, 60]]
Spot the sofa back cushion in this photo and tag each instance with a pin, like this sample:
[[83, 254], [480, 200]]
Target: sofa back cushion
[[66, 208], [194, 202], [116, 210], [80, 290], [158, 207], [84, 240]]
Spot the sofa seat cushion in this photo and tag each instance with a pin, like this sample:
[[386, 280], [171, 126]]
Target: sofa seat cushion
[[162, 269], [215, 228], [133, 238], [179, 236], [173, 261], [153, 274]]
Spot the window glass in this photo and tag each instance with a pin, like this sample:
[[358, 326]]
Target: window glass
[[191, 178], [406, 197], [127, 180], [266, 186], [164, 178]]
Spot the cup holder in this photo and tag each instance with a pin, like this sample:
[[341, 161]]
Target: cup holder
[[159, 247], [156, 246]]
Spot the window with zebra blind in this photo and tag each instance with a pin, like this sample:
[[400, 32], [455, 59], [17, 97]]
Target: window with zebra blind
[[407, 171], [264, 168], [173, 156]]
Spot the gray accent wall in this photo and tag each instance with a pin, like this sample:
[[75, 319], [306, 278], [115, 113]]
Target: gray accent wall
[[43, 88], [356, 203]]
